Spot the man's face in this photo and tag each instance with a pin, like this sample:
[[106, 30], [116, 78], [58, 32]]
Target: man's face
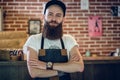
[[53, 23], [54, 15]]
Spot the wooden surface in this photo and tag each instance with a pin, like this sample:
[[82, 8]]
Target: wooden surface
[[102, 58], [14, 70], [97, 68], [12, 39]]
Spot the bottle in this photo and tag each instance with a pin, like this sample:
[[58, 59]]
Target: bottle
[[118, 51], [87, 53]]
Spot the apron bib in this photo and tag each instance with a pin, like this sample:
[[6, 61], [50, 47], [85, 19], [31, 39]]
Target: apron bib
[[55, 56]]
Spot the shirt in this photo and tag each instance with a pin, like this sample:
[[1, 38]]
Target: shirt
[[34, 41]]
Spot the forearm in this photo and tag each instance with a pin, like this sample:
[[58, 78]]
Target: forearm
[[37, 68], [35, 72], [69, 67]]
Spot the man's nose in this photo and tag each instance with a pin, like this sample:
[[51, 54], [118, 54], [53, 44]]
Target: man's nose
[[54, 18]]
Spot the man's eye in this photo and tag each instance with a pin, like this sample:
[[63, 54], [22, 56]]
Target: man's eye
[[58, 15], [49, 14]]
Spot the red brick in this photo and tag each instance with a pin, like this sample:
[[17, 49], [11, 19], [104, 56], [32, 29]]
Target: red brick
[[8, 0], [31, 7], [76, 0], [31, 0], [20, 0], [2, 4], [13, 4], [43, 0], [21, 29], [112, 0], [67, 0]]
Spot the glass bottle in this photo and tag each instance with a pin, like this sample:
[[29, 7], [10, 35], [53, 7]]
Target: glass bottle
[[118, 51], [87, 53]]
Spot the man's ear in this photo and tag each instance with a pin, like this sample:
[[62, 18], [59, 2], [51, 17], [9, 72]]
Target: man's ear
[[42, 17], [64, 19]]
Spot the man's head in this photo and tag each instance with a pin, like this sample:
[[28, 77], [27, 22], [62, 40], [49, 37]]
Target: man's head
[[53, 16], [56, 2]]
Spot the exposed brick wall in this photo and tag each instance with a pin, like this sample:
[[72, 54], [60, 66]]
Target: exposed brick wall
[[18, 12]]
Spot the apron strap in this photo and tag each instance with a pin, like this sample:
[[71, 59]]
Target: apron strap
[[62, 43], [61, 40], [42, 42]]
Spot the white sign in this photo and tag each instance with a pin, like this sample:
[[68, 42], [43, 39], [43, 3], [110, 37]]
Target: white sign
[[84, 4], [1, 20], [118, 10]]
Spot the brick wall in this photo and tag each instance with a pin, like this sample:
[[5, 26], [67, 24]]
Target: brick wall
[[18, 12]]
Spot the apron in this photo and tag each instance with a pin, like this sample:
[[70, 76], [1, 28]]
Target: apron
[[55, 56]]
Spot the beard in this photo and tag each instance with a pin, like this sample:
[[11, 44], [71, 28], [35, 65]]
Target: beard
[[52, 32]]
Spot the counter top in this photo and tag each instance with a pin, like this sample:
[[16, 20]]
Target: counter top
[[102, 58], [87, 60]]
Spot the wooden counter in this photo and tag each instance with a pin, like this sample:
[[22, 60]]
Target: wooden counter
[[96, 68], [102, 58], [14, 70], [101, 68]]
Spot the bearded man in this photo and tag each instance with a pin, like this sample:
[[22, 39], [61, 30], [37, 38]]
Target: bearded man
[[52, 55]]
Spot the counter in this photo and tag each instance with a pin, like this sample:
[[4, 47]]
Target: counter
[[101, 58], [14, 70], [96, 68], [101, 68]]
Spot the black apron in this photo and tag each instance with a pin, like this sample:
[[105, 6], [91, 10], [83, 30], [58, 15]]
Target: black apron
[[55, 56]]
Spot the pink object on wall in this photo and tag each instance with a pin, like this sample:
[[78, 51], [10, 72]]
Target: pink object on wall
[[94, 26]]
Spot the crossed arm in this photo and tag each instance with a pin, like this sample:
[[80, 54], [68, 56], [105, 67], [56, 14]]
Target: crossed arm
[[37, 68]]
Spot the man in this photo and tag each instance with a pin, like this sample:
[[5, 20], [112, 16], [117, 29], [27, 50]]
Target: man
[[50, 54]]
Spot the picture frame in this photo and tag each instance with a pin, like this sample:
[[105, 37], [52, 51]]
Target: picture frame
[[34, 27]]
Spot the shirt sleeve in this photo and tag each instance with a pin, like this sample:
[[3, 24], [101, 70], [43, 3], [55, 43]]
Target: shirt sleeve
[[71, 42], [29, 43]]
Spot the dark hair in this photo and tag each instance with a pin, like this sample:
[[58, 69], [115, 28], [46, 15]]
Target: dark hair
[[56, 2]]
